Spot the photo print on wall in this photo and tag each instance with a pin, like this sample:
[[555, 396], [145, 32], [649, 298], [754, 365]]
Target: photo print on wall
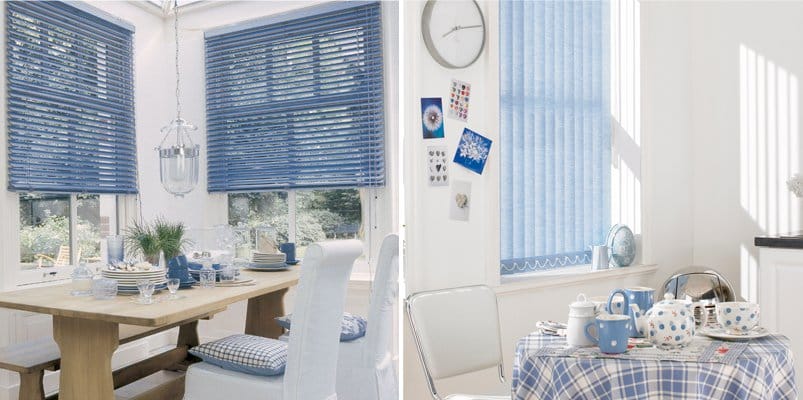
[[432, 117], [472, 151], [459, 94], [436, 166]]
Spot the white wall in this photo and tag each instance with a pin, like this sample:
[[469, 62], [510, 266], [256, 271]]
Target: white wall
[[745, 68]]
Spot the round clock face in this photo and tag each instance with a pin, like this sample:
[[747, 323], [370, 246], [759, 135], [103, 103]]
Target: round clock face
[[454, 31]]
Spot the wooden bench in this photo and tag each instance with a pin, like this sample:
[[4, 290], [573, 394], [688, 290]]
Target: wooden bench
[[31, 359]]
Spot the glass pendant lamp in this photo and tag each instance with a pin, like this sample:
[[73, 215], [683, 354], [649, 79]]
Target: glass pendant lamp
[[179, 157]]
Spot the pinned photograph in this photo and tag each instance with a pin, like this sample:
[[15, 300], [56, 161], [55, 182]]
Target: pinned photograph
[[437, 173], [472, 151], [460, 200], [459, 96], [432, 117]]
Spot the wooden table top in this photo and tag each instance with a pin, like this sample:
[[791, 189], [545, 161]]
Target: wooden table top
[[56, 300]]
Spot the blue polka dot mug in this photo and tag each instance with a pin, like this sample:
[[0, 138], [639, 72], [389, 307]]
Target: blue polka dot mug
[[738, 317], [613, 330]]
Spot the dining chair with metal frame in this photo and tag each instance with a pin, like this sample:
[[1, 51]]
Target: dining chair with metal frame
[[456, 331]]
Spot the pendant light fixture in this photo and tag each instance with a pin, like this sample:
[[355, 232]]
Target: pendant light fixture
[[179, 157]]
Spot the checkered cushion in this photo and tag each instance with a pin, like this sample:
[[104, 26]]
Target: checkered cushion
[[245, 353], [353, 326]]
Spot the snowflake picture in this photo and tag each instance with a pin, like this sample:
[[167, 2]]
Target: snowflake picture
[[472, 151], [432, 117]]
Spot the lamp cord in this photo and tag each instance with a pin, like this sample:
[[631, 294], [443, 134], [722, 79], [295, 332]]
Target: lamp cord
[[178, 72]]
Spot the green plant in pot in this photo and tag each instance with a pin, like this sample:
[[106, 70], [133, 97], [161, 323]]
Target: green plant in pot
[[141, 240], [171, 237]]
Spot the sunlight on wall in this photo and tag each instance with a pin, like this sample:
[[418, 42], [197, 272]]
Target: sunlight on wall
[[768, 151], [626, 113], [768, 128]]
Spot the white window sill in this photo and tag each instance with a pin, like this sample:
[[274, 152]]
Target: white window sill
[[567, 276]]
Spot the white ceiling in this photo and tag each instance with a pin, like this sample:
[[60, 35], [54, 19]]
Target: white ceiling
[[160, 3]]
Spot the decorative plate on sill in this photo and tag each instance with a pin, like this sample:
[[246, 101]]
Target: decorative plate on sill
[[621, 246]]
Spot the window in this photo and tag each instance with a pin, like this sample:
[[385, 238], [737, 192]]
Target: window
[[60, 230], [302, 217], [71, 140], [555, 133], [295, 121]]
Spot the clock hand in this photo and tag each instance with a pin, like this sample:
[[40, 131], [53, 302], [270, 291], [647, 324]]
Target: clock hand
[[467, 27], [451, 30]]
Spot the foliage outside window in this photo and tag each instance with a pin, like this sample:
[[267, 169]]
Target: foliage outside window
[[319, 215], [46, 235]]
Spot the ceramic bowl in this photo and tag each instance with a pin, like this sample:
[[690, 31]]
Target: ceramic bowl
[[738, 317]]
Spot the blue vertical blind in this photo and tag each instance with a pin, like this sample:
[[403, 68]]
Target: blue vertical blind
[[70, 101], [555, 132], [297, 102]]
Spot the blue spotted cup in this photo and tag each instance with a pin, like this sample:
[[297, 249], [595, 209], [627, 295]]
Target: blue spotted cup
[[613, 330], [738, 317]]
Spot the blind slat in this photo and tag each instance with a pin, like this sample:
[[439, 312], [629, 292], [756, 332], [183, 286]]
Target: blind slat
[[297, 103], [70, 101]]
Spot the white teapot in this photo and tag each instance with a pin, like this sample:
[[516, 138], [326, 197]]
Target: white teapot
[[668, 324]]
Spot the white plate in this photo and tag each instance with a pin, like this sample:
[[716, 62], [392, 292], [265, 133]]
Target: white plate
[[721, 333]]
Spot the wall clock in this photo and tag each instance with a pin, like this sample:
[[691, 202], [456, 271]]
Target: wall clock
[[454, 31]]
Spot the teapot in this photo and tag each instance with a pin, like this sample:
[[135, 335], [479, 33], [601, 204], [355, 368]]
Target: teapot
[[668, 324]]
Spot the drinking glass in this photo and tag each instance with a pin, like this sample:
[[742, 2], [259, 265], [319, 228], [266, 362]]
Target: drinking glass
[[146, 288], [114, 248], [172, 286], [228, 273], [104, 288]]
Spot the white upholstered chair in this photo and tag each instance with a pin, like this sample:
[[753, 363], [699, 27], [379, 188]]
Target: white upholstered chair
[[365, 368], [456, 331], [313, 344]]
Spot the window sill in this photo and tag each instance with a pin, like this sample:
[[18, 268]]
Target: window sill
[[567, 276]]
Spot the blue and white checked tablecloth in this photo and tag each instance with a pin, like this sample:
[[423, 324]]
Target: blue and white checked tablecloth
[[765, 370]]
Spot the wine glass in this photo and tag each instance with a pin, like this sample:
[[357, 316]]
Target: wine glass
[[172, 286]]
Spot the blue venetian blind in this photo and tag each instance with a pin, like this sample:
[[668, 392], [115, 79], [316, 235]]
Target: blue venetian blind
[[70, 100], [555, 132], [296, 101]]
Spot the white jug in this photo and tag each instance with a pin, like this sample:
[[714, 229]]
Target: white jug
[[581, 312]]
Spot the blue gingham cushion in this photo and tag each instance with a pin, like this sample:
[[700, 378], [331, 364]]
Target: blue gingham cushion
[[353, 326], [245, 353]]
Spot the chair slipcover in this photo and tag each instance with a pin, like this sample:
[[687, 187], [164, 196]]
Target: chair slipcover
[[366, 369], [313, 344]]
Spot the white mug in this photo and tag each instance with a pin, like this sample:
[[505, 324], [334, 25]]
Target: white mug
[[599, 258]]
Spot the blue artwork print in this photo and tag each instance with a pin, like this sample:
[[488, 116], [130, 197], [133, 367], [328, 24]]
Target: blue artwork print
[[432, 117], [472, 151]]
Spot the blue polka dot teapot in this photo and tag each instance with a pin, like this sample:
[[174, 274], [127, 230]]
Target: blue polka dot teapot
[[669, 324]]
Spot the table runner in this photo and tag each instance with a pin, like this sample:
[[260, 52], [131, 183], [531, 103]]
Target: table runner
[[701, 349], [764, 370]]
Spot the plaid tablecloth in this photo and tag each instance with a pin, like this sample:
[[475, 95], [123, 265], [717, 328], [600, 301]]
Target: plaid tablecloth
[[765, 370]]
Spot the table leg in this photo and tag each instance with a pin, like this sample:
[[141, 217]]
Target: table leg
[[261, 311], [86, 357]]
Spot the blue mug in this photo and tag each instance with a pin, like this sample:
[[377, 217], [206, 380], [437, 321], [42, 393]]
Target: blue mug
[[613, 330], [643, 297], [290, 250]]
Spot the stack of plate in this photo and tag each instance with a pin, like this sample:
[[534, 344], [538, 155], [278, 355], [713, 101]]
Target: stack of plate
[[127, 280], [268, 261]]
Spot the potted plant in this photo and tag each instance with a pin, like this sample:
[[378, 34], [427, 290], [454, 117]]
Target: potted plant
[[171, 238], [141, 240]]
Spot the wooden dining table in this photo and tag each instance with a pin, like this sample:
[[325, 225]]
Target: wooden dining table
[[87, 330]]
